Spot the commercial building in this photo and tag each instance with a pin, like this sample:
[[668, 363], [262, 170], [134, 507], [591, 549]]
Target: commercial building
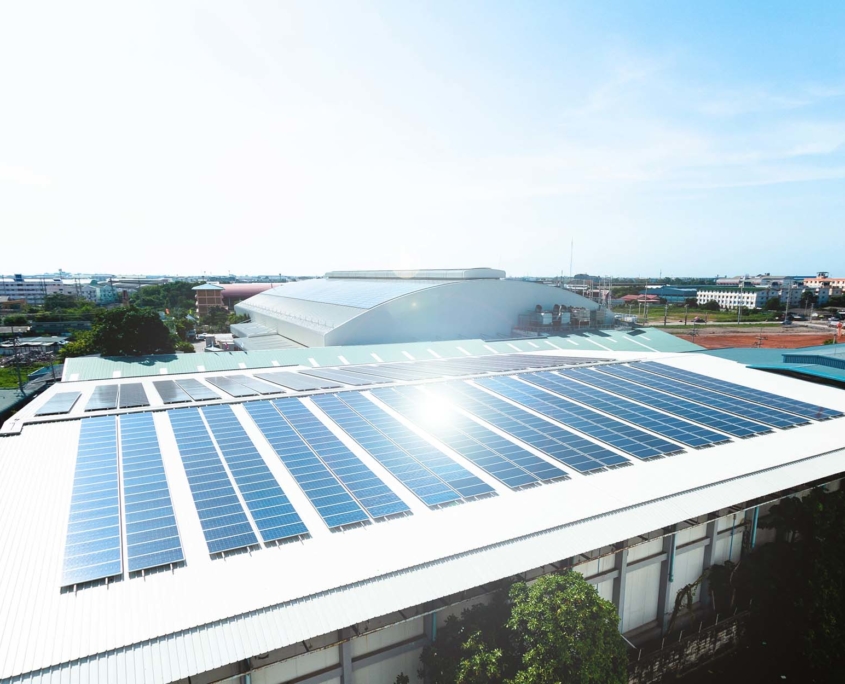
[[225, 296], [825, 287], [749, 297], [365, 307], [34, 290], [167, 527]]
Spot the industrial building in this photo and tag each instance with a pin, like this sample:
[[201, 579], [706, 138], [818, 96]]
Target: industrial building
[[365, 307], [313, 515], [226, 295]]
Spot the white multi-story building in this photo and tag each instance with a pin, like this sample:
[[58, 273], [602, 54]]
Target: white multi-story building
[[825, 287], [751, 297], [34, 290]]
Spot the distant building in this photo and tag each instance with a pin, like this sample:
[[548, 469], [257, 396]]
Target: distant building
[[825, 287], [226, 295], [673, 295], [35, 290], [363, 307], [734, 297]]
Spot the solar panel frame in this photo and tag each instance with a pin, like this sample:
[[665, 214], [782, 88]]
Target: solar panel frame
[[645, 417], [132, 395], [740, 407], [224, 522], [170, 392], [713, 418], [626, 438], [508, 462], [768, 399], [296, 381], [564, 446], [93, 543], [59, 403], [196, 390], [270, 508], [103, 398], [152, 535]]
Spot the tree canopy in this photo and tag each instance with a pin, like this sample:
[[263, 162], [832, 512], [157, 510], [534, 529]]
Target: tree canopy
[[557, 629], [130, 331], [176, 296]]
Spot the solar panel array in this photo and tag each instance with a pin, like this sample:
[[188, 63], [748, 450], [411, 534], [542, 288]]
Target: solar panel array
[[758, 396], [152, 538], [344, 376], [297, 381], [569, 448], [92, 545], [508, 462], [376, 498], [196, 390], [223, 519], [429, 473], [170, 392], [132, 395], [739, 407], [59, 403], [647, 418], [624, 437], [104, 397], [718, 420], [269, 506]]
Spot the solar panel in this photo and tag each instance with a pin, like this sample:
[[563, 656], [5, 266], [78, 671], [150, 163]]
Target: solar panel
[[507, 462], [230, 386], [608, 430], [427, 472], [297, 382], [170, 392], [740, 407], [152, 538], [799, 408], [59, 403], [392, 372], [257, 385], [270, 507], [103, 398], [564, 446], [334, 479], [342, 376], [724, 422], [92, 545], [222, 517], [196, 390], [670, 427], [132, 395]]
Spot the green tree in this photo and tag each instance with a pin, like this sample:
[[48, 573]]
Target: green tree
[[130, 331], [217, 319], [57, 302], [81, 344], [480, 664], [185, 347], [17, 319], [175, 296], [567, 633], [773, 304], [712, 305]]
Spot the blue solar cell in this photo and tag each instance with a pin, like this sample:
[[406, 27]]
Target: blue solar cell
[[271, 510], [224, 522], [153, 540], [740, 407], [61, 402], [799, 408], [673, 428], [566, 447], [429, 473], [92, 546], [508, 462], [370, 492], [718, 420], [624, 437]]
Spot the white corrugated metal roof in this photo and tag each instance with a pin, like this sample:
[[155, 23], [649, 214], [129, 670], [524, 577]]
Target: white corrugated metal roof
[[213, 612]]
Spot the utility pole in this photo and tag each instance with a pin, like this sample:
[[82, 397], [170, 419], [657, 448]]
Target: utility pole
[[17, 361], [686, 313], [665, 314]]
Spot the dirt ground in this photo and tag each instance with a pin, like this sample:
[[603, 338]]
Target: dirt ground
[[750, 336]]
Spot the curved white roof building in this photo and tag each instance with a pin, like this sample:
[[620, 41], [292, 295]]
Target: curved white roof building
[[364, 307]]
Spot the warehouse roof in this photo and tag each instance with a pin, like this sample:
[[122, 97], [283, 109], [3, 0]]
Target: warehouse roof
[[98, 368], [214, 611]]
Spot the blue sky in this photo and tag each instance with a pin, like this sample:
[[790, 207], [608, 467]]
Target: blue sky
[[296, 138]]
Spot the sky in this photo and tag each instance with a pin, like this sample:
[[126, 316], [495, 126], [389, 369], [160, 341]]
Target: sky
[[623, 138]]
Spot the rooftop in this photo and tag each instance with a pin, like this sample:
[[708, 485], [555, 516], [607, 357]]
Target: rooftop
[[421, 274], [162, 626]]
